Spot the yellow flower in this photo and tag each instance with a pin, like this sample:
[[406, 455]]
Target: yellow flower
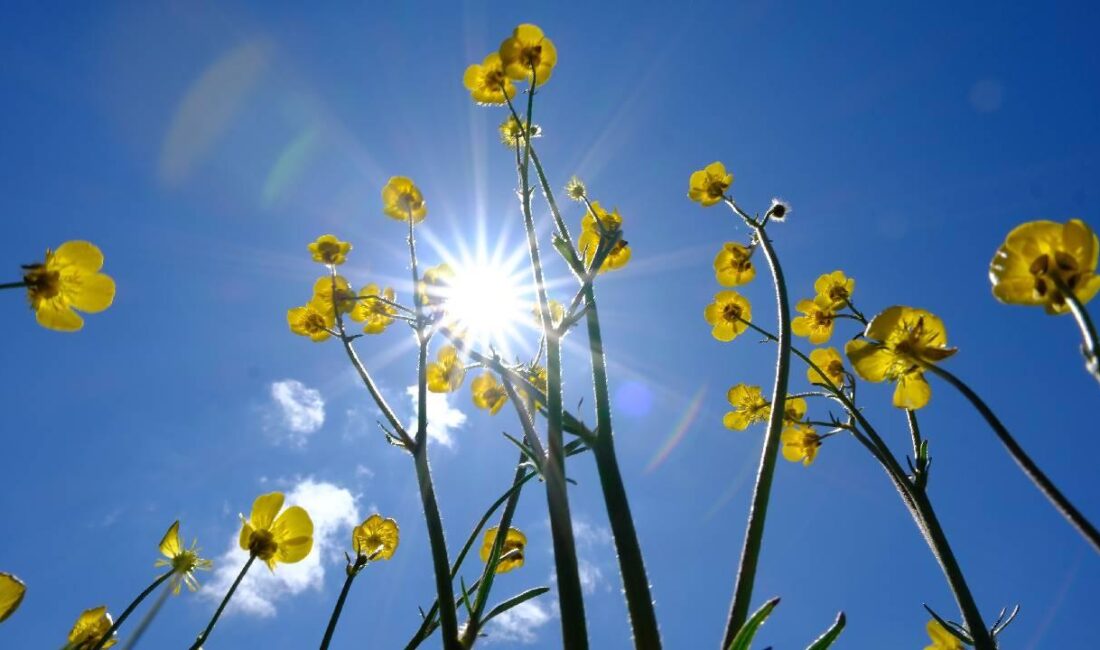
[[902, 342], [835, 287], [557, 313], [511, 132], [592, 233], [488, 393], [287, 538], [828, 359], [817, 323], [527, 51], [184, 561], [446, 373], [376, 314], [733, 265], [12, 591], [329, 250], [514, 540], [401, 198], [575, 189], [435, 285], [377, 538], [325, 289], [749, 407], [307, 321], [487, 82], [726, 315], [708, 185], [90, 628], [68, 280], [1037, 256], [794, 409], [800, 443], [941, 638], [535, 374]]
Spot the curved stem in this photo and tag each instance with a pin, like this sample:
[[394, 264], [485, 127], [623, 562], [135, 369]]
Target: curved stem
[[129, 610], [225, 601], [754, 533], [1090, 347], [1052, 493], [353, 571]]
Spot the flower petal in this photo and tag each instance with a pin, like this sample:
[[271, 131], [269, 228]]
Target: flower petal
[[264, 509]]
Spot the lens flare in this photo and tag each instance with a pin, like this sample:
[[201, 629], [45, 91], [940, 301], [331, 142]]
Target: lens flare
[[489, 301]]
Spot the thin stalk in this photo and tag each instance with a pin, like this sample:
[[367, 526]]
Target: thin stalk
[[1090, 347], [1052, 493], [147, 620], [14, 285], [754, 533], [225, 601], [920, 464], [129, 610], [352, 571], [570, 594]]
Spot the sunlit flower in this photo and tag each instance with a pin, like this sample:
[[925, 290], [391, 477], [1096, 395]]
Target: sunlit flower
[[527, 50], [535, 374], [487, 82], [446, 373], [733, 265], [511, 132], [1038, 256], [327, 289], [286, 538], [557, 313], [329, 250], [12, 591], [708, 185], [836, 287], [515, 542], [749, 407], [728, 315], [90, 628], [376, 538], [900, 343], [778, 210], [800, 443], [68, 280], [488, 393], [402, 198], [375, 315], [817, 322], [597, 224], [794, 409], [308, 321], [830, 362], [435, 285], [184, 561], [941, 638], [575, 189]]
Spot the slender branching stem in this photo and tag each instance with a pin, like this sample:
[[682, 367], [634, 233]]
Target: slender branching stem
[[129, 610], [352, 572], [754, 532], [1090, 346], [225, 601], [1052, 493]]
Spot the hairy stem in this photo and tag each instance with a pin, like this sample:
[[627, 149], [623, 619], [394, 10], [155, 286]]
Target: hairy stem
[[351, 573], [1090, 346]]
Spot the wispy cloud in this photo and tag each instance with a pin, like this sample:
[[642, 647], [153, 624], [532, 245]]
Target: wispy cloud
[[334, 512], [519, 624], [442, 417], [300, 411]]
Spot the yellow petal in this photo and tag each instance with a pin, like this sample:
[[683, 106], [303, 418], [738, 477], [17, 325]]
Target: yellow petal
[[170, 544], [912, 392], [245, 539], [870, 360], [294, 522], [54, 315], [885, 322], [12, 591], [264, 509], [92, 293], [81, 254], [294, 549]]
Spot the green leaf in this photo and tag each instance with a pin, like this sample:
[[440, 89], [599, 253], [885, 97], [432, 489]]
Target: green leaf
[[745, 635], [826, 640], [513, 601]]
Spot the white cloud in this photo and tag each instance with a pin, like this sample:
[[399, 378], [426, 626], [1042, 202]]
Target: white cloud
[[333, 511], [591, 576], [442, 417], [301, 410], [519, 624]]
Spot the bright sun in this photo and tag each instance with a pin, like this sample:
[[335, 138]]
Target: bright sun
[[491, 301]]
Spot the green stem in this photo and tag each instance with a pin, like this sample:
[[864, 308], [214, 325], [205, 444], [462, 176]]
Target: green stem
[[129, 610], [147, 620], [754, 533], [1090, 347], [352, 572], [225, 601], [570, 594], [1052, 493], [14, 285]]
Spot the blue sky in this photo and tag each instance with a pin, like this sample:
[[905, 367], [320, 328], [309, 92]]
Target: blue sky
[[203, 145]]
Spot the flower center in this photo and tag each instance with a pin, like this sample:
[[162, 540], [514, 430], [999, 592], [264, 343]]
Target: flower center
[[262, 544], [42, 284], [732, 312], [531, 56], [716, 189], [838, 293]]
